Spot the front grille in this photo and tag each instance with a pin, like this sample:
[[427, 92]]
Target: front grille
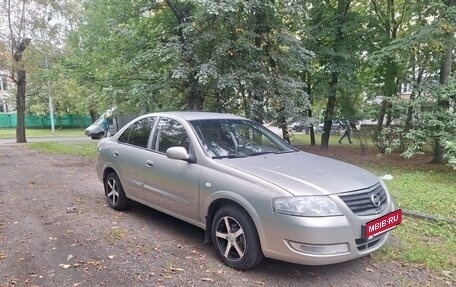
[[360, 201], [363, 244]]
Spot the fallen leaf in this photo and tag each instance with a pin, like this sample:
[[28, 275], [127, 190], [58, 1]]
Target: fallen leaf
[[65, 266], [111, 256], [369, 270], [208, 279], [446, 273], [259, 283], [94, 263]]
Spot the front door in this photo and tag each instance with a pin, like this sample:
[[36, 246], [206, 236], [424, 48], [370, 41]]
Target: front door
[[172, 184]]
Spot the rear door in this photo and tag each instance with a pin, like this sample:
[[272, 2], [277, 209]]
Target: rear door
[[129, 156]]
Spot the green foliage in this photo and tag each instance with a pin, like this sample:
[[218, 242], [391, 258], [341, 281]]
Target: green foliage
[[190, 55], [267, 60], [431, 121], [410, 52]]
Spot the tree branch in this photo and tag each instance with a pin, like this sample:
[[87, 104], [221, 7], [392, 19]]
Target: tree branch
[[21, 48], [377, 11]]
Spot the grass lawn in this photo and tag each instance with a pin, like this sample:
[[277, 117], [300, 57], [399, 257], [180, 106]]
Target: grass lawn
[[86, 149], [416, 185], [11, 133]]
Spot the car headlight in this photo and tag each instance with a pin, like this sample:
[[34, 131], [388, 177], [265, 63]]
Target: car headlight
[[306, 206]]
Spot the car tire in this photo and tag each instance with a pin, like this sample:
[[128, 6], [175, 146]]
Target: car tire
[[115, 193], [239, 247]]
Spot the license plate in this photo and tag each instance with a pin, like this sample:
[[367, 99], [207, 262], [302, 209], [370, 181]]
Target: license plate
[[382, 224]]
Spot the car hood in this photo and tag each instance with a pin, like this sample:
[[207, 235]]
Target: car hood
[[93, 127], [302, 173]]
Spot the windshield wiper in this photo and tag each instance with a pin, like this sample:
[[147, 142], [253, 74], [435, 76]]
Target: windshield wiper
[[231, 155], [274, 152]]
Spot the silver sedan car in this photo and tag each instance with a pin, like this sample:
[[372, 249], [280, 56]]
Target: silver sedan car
[[254, 194]]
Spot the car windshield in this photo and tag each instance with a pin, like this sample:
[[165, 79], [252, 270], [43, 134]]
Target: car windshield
[[231, 138], [99, 120]]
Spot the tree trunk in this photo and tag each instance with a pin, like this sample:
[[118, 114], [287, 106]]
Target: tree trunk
[[218, 101], [445, 72], [389, 68], [408, 121], [309, 113], [21, 83], [93, 115], [257, 108], [284, 126], [329, 112], [389, 91], [389, 115], [311, 128], [342, 10], [381, 116]]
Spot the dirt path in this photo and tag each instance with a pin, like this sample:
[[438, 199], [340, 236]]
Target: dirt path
[[56, 230]]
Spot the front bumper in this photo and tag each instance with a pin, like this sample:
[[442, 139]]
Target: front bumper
[[320, 240], [90, 133]]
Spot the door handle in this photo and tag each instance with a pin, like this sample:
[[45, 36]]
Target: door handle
[[149, 163], [116, 153]]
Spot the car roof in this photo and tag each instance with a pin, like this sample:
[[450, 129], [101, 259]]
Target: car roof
[[189, 116]]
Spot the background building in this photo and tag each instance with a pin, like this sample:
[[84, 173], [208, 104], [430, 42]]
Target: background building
[[6, 98]]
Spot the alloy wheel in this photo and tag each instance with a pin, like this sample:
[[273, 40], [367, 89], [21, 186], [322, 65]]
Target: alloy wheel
[[113, 191], [230, 238]]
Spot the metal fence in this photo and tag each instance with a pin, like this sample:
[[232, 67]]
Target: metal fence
[[9, 120]]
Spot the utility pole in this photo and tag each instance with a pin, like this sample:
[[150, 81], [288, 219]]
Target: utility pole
[[51, 105]]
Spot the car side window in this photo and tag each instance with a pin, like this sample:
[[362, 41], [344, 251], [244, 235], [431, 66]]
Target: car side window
[[138, 133], [170, 133]]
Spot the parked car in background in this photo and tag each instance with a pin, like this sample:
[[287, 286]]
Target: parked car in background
[[95, 130], [114, 120], [300, 127], [303, 125], [253, 193], [336, 127]]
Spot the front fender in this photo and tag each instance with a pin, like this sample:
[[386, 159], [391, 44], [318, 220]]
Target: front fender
[[237, 199]]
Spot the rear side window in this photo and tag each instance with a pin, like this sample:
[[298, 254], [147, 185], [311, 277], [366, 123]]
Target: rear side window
[[138, 133]]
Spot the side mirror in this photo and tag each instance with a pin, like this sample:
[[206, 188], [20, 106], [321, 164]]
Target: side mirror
[[177, 152]]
